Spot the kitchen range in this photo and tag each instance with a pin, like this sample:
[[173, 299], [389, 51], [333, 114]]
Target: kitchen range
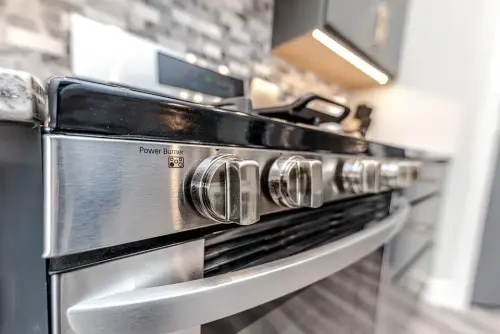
[[126, 211]]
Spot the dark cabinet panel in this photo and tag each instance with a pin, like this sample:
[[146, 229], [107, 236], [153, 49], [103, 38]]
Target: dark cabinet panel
[[375, 27], [387, 37], [354, 20], [372, 29]]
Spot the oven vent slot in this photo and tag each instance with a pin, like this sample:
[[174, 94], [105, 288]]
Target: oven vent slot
[[288, 234]]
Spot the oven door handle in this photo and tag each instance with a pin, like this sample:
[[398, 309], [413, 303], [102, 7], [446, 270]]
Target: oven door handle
[[169, 308]]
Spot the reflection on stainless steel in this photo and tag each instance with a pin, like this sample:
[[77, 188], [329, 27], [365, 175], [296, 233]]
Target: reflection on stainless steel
[[177, 306], [296, 182], [178, 122], [102, 192], [227, 189], [156, 268]]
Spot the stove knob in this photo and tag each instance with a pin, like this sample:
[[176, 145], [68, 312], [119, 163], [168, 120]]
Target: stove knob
[[361, 176], [409, 173], [296, 182], [404, 174], [226, 189], [415, 168], [389, 175]]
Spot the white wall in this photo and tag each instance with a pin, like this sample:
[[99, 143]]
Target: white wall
[[409, 116], [446, 101]]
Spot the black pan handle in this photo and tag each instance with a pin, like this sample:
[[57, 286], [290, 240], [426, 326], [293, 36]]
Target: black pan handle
[[303, 101]]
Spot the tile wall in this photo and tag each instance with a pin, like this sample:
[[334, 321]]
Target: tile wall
[[34, 36]]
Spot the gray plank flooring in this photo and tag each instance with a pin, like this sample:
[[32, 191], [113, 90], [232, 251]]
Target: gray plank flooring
[[430, 320], [349, 303]]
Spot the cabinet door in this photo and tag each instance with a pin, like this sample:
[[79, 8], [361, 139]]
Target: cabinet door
[[387, 33], [375, 27], [354, 20]]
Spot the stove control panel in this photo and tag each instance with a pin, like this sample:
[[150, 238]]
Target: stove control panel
[[226, 189], [296, 182], [161, 188]]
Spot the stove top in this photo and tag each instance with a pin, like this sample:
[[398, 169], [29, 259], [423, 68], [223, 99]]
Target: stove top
[[81, 106]]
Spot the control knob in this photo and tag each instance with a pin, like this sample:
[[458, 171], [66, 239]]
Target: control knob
[[390, 175], [226, 189], [399, 174], [409, 172], [296, 182], [361, 176]]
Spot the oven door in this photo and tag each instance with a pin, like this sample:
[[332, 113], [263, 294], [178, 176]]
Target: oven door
[[157, 292]]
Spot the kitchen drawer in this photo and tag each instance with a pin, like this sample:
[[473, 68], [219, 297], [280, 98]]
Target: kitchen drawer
[[425, 213], [422, 189], [431, 181], [408, 243], [421, 270]]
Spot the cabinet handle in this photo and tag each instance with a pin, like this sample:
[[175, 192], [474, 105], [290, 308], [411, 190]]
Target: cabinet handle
[[382, 24]]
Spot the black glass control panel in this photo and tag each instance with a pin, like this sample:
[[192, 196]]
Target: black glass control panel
[[181, 74]]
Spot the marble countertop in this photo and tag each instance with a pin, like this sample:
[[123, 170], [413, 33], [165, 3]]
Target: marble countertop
[[22, 97]]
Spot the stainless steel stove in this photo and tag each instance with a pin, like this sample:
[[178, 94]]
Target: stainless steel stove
[[161, 215]]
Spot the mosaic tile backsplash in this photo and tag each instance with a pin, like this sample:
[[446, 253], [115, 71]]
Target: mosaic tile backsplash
[[35, 36]]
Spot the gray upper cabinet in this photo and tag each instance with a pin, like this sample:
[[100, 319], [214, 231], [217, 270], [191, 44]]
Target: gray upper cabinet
[[387, 50], [375, 27], [353, 20], [372, 29]]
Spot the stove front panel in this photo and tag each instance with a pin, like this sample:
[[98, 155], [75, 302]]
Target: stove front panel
[[102, 192]]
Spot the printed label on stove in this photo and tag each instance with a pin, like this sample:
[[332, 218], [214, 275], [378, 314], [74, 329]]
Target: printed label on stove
[[147, 150], [175, 162]]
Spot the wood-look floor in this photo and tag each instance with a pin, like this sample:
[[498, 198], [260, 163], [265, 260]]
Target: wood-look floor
[[347, 303], [403, 313], [432, 320]]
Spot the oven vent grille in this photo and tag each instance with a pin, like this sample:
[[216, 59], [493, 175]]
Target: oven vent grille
[[286, 234]]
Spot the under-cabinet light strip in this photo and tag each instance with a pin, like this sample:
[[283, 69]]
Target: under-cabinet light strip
[[352, 58]]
